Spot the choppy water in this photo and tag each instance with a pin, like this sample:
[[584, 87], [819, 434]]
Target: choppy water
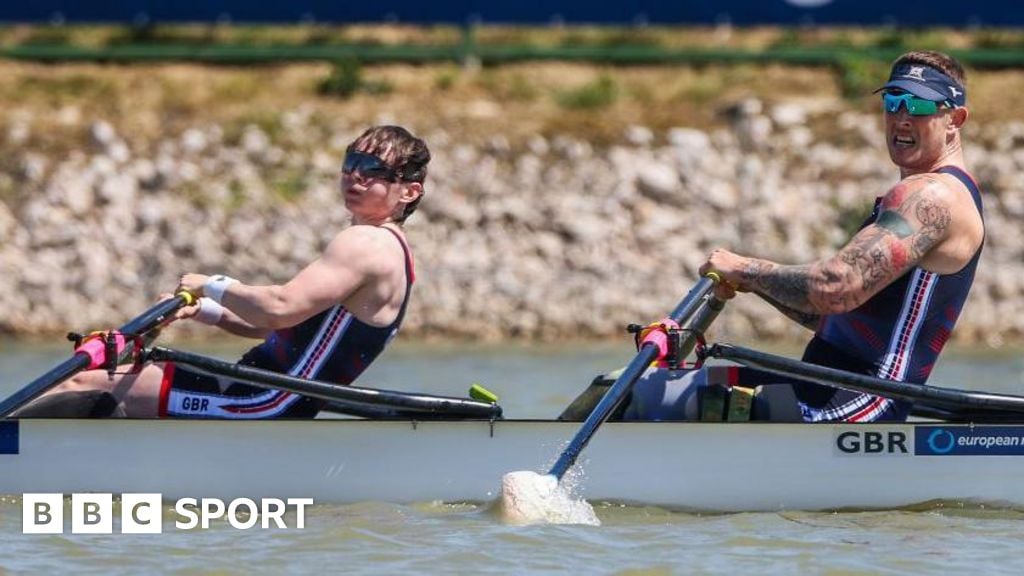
[[433, 537]]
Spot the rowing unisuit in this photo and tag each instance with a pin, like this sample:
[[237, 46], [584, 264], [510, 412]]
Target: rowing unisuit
[[897, 334], [332, 346]]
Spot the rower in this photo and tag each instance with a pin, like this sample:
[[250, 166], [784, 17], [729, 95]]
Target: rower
[[328, 323], [885, 304]]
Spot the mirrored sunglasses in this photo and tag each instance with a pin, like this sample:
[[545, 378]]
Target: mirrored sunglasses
[[915, 106], [369, 166]]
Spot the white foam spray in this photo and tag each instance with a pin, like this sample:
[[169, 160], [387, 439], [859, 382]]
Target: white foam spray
[[532, 498]]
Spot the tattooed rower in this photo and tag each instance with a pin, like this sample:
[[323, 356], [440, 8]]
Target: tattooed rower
[[886, 302]]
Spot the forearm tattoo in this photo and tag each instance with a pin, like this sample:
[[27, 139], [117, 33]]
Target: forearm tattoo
[[913, 220], [806, 319]]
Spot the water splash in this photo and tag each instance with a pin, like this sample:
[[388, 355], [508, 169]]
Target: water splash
[[532, 498]]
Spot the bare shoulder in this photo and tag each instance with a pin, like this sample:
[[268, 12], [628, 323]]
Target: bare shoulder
[[936, 214], [944, 189], [373, 249], [912, 190], [925, 202]]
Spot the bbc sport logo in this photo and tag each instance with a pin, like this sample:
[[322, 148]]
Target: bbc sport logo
[[143, 513]]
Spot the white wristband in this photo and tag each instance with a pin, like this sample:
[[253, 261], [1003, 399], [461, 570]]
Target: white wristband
[[210, 312], [216, 286]]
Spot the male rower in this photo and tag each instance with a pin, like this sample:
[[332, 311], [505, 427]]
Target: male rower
[[886, 302], [327, 323]]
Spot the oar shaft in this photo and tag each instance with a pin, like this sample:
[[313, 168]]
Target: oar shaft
[[700, 323], [615, 394], [942, 397], [423, 403], [145, 322]]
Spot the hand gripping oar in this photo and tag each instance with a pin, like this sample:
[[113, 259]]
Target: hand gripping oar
[[648, 352], [94, 352]]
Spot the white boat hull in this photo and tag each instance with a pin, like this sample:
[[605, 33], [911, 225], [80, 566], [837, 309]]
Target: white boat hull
[[701, 466]]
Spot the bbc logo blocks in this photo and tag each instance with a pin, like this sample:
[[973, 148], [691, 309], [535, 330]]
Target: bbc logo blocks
[[92, 514]]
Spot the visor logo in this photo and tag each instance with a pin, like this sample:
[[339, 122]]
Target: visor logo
[[915, 72], [956, 93]]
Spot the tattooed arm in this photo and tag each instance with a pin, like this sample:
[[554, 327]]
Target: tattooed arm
[[808, 320], [915, 217]]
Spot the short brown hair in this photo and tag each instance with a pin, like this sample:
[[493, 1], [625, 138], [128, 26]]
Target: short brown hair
[[943, 62], [397, 146]]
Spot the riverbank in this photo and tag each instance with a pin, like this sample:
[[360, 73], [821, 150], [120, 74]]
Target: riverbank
[[564, 201]]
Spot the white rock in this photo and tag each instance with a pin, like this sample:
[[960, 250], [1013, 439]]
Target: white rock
[[102, 134], [193, 141], [788, 115], [639, 135], [254, 141]]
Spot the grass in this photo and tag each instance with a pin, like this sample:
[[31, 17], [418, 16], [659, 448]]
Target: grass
[[151, 101], [347, 79], [148, 102], [600, 93]]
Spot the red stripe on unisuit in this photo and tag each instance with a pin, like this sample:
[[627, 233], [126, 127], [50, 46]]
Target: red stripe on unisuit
[[270, 404], [867, 410], [321, 346], [909, 323]]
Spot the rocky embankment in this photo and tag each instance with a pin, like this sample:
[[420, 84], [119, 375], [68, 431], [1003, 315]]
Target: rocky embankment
[[555, 238]]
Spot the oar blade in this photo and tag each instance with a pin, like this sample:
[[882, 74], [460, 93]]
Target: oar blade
[[531, 498], [528, 497]]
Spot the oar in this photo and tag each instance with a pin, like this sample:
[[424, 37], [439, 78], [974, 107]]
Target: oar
[[92, 354], [948, 398], [528, 497], [648, 352], [407, 404]]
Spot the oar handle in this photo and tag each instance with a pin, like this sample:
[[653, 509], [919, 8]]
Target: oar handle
[[694, 298], [648, 352], [158, 314], [82, 359], [700, 323]]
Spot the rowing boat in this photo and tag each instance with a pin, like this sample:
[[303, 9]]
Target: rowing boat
[[420, 447], [685, 465]]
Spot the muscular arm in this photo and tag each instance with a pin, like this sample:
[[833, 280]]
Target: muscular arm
[[351, 260], [915, 217], [806, 319], [230, 322]]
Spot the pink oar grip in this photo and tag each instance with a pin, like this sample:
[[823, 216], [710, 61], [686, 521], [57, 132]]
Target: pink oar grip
[[96, 350], [659, 336]]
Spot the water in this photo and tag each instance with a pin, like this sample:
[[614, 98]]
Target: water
[[434, 537]]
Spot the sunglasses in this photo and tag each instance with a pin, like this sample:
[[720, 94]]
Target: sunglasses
[[369, 166], [915, 106]]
